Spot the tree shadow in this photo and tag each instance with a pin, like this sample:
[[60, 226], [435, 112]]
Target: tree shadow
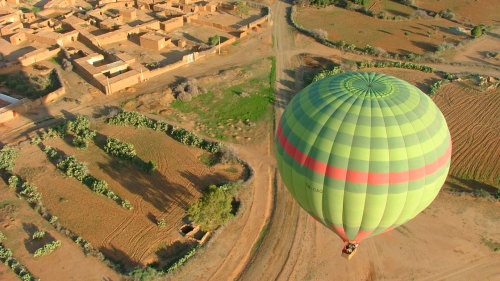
[[32, 245], [14, 55], [482, 61], [154, 188], [426, 84], [384, 31], [201, 182], [119, 258], [476, 185], [192, 38], [397, 13], [171, 253], [424, 45], [287, 83]]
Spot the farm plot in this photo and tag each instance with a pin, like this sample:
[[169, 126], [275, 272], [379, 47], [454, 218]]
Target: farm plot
[[130, 237], [473, 12], [402, 37], [472, 116], [19, 222]]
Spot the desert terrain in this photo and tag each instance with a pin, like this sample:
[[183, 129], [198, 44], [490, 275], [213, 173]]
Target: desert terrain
[[242, 94]]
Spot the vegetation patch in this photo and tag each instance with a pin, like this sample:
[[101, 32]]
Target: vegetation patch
[[47, 248], [223, 112], [29, 85], [6, 256], [214, 208], [494, 246], [81, 128], [408, 39]]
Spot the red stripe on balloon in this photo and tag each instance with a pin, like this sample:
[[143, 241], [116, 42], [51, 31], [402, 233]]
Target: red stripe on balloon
[[340, 231], [358, 176]]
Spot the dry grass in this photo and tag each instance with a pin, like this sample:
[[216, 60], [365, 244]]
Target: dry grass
[[473, 12], [406, 36]]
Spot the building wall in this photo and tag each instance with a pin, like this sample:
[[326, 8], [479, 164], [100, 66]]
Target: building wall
[[172, 24], [9, 29], [37, 56]]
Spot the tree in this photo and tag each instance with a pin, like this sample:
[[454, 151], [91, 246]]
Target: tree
[[7, 157], [242, 9], [213, 40], [212, 210], [80, 125], [477, 31]]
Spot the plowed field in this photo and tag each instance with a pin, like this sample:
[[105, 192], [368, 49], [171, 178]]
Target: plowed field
[[473, 118]]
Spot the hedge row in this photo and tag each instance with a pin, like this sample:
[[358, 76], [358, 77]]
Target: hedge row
[[47, 248], [132, 118], [6, 257], [398, 64]]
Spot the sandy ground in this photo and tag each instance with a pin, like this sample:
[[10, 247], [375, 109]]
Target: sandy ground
[[476, 50]]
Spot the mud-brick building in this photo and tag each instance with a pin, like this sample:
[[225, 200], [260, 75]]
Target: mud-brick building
[[110, 75], [153, 41]]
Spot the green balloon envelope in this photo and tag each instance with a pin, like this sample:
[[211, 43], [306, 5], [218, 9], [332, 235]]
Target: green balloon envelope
[[363, 152]]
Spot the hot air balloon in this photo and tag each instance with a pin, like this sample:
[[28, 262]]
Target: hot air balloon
[[362, 153]]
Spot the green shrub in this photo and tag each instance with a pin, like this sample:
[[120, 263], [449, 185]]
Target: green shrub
[[435, 87], [80, 127], [47, 248], [161, 223], [50, 152], [111, 195], [29, 191], [4, 252], [119, 149], [145, 273], [100, 187], [14, 181], [38, 235], [131, 118], [477, 31], [73, 168], [182, 260], [2, 236], [53, 219], [213, 209], [151, 166], [447, 14], [126, 204], [213, 40], [7, 158]]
